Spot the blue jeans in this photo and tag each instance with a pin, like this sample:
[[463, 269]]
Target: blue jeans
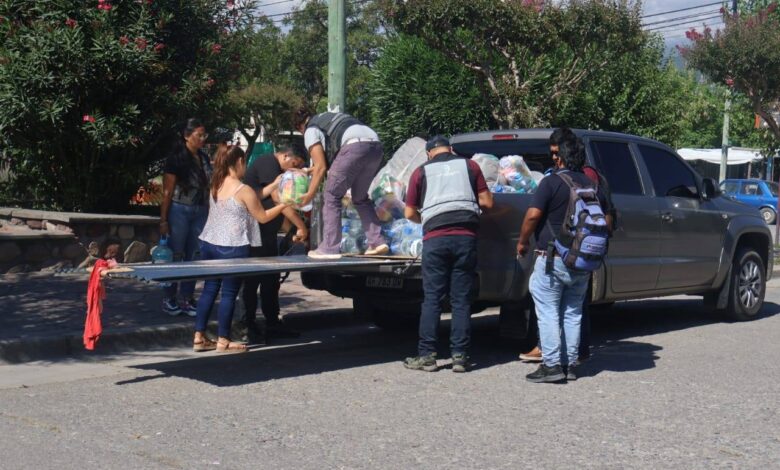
[[449, 264], [558, 297], [229, 285], [184, 224]]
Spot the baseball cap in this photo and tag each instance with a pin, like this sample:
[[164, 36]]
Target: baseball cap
[[436, 141]]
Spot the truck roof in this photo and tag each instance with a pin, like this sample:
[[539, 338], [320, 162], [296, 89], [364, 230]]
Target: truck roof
[[538, 134]]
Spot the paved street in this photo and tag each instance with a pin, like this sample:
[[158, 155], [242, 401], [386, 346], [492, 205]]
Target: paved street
[[669, 386]]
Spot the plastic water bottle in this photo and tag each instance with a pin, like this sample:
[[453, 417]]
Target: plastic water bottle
[[349, 245], [416, 247], [162, 253]]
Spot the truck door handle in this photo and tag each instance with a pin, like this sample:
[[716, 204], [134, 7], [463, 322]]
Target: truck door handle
[[668, 217]]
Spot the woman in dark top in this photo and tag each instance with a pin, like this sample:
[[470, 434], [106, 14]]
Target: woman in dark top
[[184, 209]]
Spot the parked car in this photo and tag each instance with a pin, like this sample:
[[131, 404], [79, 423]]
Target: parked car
[[675, 235], [757, 193]]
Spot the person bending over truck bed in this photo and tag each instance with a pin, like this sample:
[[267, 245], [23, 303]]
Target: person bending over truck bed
[[445, 195], [350, 153]]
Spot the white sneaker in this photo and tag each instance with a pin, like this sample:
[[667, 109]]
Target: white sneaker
[[382, 249], [316, 254]]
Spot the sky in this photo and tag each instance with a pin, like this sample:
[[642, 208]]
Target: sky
[[673, 34]]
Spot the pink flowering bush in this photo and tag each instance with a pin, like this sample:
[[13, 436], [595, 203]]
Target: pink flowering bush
[[90, 90]]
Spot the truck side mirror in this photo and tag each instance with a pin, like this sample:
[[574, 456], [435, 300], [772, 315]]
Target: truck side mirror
[[710, 188]]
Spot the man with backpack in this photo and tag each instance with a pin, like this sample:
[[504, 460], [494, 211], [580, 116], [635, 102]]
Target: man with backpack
[[567, 217]]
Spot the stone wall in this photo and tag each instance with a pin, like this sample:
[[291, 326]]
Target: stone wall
[[32, 240]]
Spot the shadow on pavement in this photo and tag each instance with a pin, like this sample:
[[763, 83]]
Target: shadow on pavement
[[339, 342]]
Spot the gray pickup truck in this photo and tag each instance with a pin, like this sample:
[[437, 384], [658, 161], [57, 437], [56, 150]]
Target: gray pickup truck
[[674, 235]]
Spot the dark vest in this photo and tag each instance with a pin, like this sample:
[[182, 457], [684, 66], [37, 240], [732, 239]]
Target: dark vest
[[449, 198], [333, 125]]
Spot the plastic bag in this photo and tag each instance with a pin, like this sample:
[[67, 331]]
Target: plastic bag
[[403, 162], [517, 174], [293, 187], [388, 198], [489, 164]]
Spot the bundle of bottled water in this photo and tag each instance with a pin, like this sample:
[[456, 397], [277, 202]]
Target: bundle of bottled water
[[403, 236]]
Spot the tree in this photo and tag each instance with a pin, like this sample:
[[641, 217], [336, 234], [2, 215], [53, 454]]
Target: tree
[[417, 90], [744, 56], [262, 98], [531, 55], [90, 90], [304, 52], [257, 106]]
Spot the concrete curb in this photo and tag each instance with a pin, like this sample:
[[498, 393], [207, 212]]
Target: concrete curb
[[14, 351]]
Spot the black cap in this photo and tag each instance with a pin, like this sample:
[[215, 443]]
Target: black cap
[[436, 141]]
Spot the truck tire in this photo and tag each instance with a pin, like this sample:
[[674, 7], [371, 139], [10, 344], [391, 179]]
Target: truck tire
[[747, 286], [768, 215]]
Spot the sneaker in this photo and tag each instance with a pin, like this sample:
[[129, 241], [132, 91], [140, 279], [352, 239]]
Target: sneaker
[[461, 362], [380, 250], [534, 355], [316, 254], [571, 372], [545, 374], [426, 363], [189, 307], [171, 307]]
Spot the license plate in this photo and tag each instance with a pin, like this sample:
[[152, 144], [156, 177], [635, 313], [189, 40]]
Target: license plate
[[382, 282]]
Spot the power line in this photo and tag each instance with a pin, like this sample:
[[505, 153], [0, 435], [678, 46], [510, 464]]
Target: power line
[[696, 15], [316, 8], [682, 9], [685, 23], [276, 3]]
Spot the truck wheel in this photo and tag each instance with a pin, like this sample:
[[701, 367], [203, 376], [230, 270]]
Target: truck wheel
[[768, 215], [748, 285]]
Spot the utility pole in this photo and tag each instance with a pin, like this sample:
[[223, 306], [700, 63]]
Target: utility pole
[[724, 148], [337, 56]]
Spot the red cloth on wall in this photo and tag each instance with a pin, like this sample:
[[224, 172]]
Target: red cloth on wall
[[96, 292]]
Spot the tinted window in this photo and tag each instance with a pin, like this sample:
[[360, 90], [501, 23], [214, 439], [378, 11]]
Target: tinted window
[[670, 175], [772, 188], [729, 187], [615, 162], [751, 189]]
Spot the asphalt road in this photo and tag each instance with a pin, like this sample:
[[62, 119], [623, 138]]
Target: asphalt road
[[669, 386]]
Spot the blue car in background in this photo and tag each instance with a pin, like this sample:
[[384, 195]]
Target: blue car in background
[[757, 193]]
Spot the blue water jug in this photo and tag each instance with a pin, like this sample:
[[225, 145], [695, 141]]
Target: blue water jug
[[162, 253]]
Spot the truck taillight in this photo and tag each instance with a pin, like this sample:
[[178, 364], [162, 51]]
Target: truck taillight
[[504, 136]]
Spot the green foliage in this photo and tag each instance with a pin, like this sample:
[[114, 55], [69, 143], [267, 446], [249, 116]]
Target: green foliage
[[266, 105], [746, 56], [304, 53], [89, 90], [532, 56], [417, 90]]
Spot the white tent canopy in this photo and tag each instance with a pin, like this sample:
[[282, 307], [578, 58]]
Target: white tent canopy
[[737, 155]]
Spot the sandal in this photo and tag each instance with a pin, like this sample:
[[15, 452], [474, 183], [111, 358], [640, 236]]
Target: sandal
[[227, 347], [204, 344]]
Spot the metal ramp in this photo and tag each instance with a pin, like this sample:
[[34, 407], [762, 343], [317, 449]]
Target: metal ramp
[[190, 270]]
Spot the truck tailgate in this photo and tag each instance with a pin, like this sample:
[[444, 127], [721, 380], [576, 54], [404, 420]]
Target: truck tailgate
[[248, 267]]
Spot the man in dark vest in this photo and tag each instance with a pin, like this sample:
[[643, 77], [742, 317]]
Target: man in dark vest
[[351, 154], [446, 195]]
